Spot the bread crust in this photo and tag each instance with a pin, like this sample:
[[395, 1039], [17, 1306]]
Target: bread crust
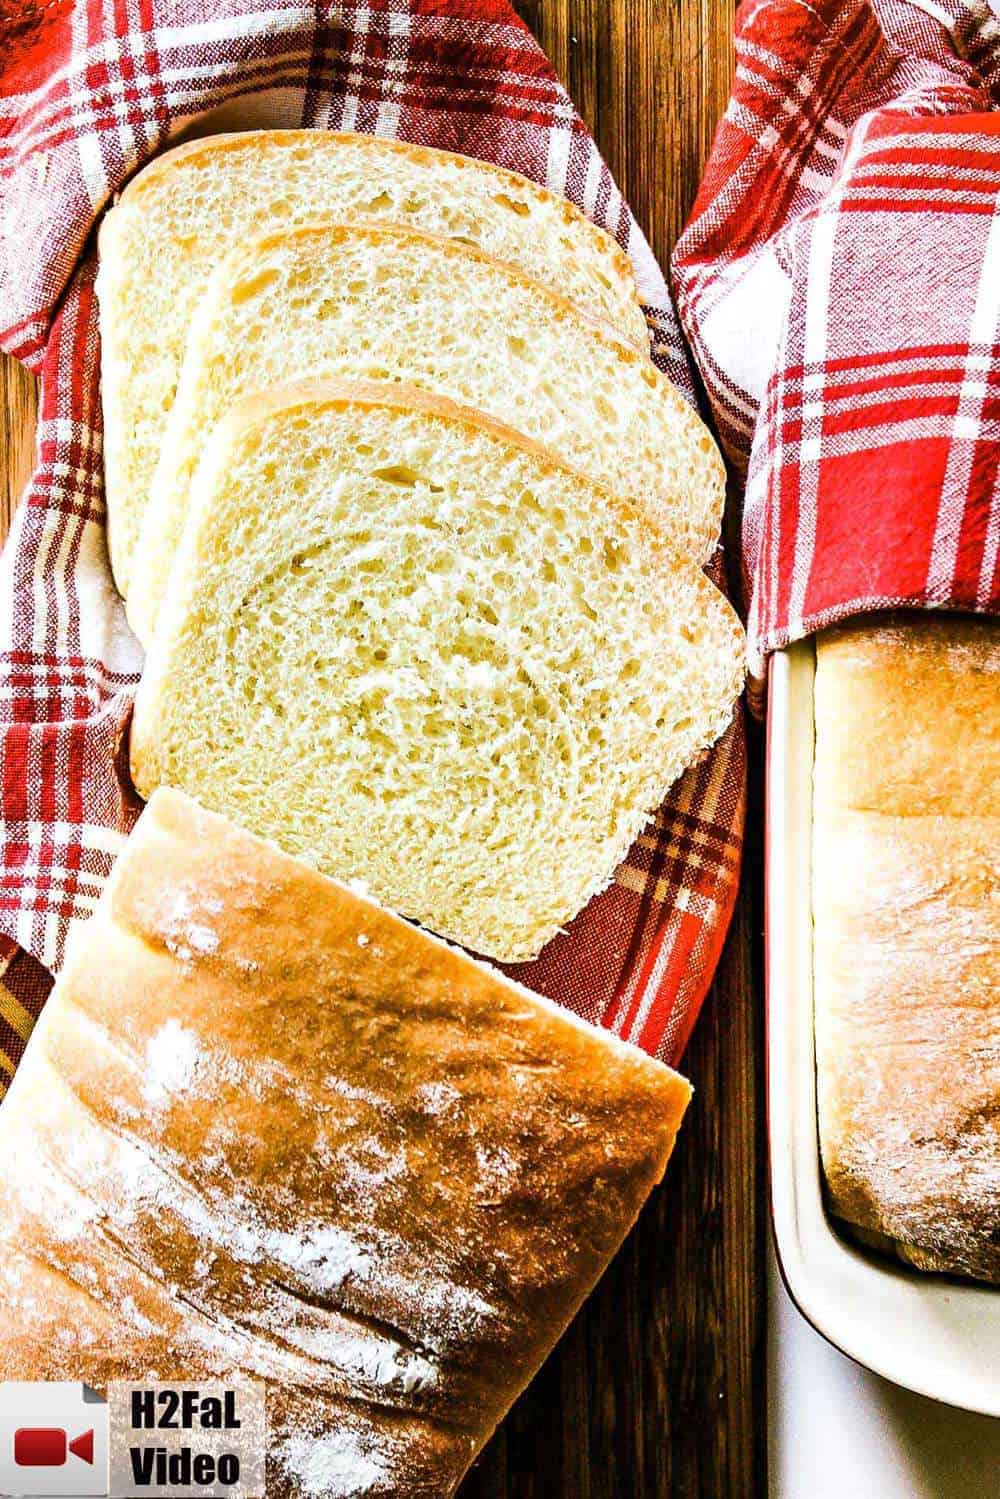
[[336, 393], [907, 954], [267, 1129], [187, 152]]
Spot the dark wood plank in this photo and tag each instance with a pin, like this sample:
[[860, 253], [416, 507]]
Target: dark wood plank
[[18, 403], [651, 78]]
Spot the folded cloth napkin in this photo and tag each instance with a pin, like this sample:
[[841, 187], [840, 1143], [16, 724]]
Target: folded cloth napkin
[[88, 92], [839, 284]]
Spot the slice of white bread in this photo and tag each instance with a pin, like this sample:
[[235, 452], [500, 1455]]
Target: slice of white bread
[[376, 302], [191, 206], [410, 646]]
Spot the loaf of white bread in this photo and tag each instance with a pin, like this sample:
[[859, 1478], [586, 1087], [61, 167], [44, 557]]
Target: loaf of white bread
[[377, 302], [415, 649], [266, 1129], [191, 206], [906, 900]]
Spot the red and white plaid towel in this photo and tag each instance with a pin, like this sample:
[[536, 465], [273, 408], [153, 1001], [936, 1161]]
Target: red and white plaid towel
[[839, 283], [90, 90]]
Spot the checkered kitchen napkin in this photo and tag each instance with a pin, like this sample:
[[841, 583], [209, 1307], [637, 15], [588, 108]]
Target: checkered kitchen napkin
[[839, 283], [89, 90]]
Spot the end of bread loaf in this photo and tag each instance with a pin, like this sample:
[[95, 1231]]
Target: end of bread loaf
[[265, 1129], [436, 659]]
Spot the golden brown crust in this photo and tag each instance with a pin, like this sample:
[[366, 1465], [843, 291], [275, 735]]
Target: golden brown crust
[[387, 231], [336, 393], [194, 150], [929, 687], [907, 933], [267, 1127]]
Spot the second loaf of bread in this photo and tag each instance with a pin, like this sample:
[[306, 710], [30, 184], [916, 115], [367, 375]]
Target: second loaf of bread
[[906, 885]]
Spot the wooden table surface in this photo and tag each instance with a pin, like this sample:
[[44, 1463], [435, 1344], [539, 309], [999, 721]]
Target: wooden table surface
[[657, 1391]]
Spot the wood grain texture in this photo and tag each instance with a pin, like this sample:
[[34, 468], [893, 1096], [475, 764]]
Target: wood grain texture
[[18, 403], [657, 1390], [651, 79]]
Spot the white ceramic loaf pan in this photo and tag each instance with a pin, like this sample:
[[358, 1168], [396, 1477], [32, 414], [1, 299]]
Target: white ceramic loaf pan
[[930, 1333]]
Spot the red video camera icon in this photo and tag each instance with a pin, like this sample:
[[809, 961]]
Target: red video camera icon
[[48, 1446]]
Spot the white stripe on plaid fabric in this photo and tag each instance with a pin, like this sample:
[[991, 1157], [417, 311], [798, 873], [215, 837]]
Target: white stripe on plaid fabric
[[839, 283], [96, 837], [970, 424], [464, 74], [812, 412]]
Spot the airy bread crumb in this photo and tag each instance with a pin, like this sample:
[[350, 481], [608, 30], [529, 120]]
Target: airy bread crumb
[[382, 303], [410, 646]]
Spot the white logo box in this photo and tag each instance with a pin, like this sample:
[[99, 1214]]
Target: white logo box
[[63, 1441]]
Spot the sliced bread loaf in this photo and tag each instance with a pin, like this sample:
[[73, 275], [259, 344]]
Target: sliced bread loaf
[[380, 303], [412, 647], [187, 209]]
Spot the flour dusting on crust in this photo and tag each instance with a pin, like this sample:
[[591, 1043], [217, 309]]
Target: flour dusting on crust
[[337, 1466]]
